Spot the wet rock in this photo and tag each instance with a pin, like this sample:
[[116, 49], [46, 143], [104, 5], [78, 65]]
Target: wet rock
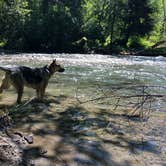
[[29, 139]]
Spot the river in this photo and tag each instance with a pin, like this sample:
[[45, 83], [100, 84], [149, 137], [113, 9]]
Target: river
[[83, 120], [86, 72]]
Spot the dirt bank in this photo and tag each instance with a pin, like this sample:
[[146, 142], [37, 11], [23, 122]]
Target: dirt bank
[[67, 133]]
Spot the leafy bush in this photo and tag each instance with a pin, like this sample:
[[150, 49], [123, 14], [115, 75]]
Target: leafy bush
[[139, 42]]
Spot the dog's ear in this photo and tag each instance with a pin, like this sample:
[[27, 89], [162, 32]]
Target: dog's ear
[[54, 61]]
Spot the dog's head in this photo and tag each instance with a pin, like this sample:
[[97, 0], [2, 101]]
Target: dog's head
[[55, 67]]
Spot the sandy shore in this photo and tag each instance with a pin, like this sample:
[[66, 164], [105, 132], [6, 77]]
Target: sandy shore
[[67, 133]]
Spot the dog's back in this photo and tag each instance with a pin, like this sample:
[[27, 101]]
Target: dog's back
[[34, 75], [27, 74]]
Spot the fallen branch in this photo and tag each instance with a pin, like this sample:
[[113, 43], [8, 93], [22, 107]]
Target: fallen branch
[[136, 98]]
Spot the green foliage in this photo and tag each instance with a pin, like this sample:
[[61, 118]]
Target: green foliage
[[2, 44], [54, 26], [52, 30], [139, 42], [139, 20]]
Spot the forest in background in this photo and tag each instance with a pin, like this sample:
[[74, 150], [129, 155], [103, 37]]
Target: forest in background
[[100, 26]]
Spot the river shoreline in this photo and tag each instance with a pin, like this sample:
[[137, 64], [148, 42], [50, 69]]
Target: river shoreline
[[140, 52]]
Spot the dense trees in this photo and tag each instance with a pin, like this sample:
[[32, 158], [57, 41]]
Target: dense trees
[[80, 25]]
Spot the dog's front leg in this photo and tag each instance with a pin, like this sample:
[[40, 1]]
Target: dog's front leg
[[19, 86], [43, 89], [19, 94], [38, 92]]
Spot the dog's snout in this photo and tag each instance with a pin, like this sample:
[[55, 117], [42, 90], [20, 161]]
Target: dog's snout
[[62, 70]]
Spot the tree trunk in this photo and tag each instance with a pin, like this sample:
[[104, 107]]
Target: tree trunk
[[112, 26], [164, 11]]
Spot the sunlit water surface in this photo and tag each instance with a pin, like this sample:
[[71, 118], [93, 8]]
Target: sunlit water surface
[[85, 71], [104, 68]]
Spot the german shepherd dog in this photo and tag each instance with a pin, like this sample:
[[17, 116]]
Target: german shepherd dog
[[36, 78]]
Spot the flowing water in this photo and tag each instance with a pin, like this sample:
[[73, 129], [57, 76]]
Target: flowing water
[[85, 73], [101, 81]]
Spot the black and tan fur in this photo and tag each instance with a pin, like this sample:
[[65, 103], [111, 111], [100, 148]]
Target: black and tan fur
[[36, 78]]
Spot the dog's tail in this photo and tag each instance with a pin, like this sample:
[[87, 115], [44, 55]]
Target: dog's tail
[[5, 69]]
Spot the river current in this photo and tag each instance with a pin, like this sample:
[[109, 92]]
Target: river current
[[85, 71]]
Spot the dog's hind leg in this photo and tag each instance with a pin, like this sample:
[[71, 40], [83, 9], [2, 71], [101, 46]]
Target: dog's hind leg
[[19, 88], [5, 83], [18, 84], [40, 93]]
